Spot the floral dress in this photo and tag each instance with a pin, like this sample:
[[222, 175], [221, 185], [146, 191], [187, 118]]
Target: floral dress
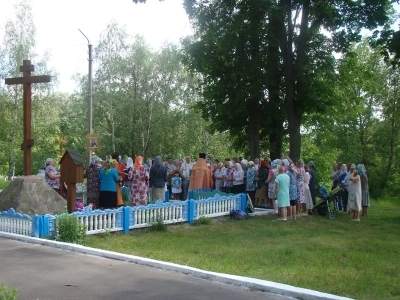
[[54, 183], [292, 186], [140, 178], [301, 187], [228, 173], [271, 184], [92, 179], [250, 181]]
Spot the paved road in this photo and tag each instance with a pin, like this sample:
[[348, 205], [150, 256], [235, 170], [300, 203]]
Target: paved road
[[41, 272]]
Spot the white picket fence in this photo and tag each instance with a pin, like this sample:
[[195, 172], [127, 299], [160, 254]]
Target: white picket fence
[[216, 206], [167, 212], [125, 218], [13, 222]]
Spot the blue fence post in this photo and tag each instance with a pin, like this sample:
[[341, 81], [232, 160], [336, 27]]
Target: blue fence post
[[243, 202], [166, 196], [190, 194], [45, 226], [191, 204], [125, 219], [36, 226]]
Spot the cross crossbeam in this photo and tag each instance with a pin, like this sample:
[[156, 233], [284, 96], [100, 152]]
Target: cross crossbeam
[[27, 81]]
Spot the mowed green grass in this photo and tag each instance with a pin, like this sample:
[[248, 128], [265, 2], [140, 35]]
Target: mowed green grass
[[354, 259]]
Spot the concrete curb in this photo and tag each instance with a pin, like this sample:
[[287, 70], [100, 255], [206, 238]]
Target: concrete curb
[[251, 283]]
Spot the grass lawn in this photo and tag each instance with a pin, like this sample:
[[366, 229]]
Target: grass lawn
[[353, 259]]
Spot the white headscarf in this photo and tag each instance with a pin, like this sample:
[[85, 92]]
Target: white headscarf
[[129, 163], [343, 169], [48, 162]]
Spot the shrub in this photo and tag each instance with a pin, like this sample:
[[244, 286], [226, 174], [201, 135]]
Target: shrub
[[157, 225], [7, 293], [202, 221], [68, 229]]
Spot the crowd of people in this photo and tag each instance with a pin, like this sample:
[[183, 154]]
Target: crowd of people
[[286, 186]]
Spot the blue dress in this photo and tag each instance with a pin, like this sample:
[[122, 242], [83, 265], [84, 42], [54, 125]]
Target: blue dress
[[293, 185], [283, 192]]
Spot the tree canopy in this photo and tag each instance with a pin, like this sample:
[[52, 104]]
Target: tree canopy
[[258, 57]]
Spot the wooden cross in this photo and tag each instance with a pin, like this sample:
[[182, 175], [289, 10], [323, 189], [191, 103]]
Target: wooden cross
[[27, 81]]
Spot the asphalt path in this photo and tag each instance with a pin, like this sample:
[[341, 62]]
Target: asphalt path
[[40, 273]]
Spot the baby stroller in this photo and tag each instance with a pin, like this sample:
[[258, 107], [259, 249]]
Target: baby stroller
[[327, 206]]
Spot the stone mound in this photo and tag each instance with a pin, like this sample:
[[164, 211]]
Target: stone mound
[[31, 195]]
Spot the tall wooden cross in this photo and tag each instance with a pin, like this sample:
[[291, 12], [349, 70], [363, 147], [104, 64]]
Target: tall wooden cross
[[27, 81]]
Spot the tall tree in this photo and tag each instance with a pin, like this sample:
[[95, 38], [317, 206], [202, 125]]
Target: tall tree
[[296, 26], [344, 21], [229, 50], [18, 44]]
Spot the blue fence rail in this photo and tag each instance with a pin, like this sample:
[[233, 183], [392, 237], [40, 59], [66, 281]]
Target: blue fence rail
[[126, 218]]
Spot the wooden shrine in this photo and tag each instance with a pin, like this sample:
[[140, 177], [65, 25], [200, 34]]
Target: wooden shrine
[[71, 173]]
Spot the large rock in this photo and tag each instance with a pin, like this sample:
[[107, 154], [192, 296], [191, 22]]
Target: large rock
[[31, 195]]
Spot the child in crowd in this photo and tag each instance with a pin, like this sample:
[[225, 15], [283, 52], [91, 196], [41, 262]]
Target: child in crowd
[[323, 194], [177, 186]]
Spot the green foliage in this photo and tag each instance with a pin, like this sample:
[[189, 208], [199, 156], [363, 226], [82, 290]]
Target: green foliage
[[68, 229], [153, 93], [7, 293], [158, 225], [4, 184], [19, 44], [257, 58], [202, 221]]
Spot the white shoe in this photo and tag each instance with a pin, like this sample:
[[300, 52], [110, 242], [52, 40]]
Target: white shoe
[[304, 214]]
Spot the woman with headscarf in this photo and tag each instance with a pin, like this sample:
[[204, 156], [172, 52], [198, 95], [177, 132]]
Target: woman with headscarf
[[261, 190], [365, 202], [140, 177], [129, 166], [250, 181], [218, 176], [238, 179], [346, 183], [92, 181], [282, 184], [309, 203], [115, 158], [109, 179], [148, 164], [355, 194], [158, 179], [344, 193], [52, 175], [228, 177], [292, 173], [286, 163], [301, 189], [273, 172]]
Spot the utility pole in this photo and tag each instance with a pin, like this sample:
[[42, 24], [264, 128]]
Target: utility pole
[[90, 92]]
